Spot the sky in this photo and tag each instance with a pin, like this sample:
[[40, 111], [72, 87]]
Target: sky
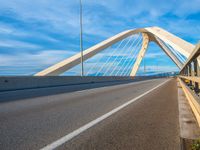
[[36, 34]]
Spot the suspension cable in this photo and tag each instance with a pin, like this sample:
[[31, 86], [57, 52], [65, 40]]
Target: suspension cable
[[182, 59], [132, 52], [139, 44], [131, 63], [115, 67], [107, 69], [96, 64], [105, 63]]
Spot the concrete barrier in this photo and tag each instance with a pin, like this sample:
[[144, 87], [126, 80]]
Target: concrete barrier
[[31, 82]]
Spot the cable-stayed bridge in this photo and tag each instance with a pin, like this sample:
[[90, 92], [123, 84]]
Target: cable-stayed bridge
[[110, 107], [123, 53]]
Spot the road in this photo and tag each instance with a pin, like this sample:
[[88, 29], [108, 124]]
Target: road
[[149, 122]]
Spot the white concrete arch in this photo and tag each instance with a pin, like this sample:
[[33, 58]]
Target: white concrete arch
[[154, 34]]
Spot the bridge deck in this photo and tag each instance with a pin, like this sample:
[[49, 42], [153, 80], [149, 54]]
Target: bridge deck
[[151, 122]]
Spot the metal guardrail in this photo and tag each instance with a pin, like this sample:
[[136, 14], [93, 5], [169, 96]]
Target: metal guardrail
[[193, 99], [189, 79], [193, 79], [190, 72]]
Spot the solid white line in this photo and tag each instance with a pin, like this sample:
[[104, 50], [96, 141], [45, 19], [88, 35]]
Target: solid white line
[[78, 131]]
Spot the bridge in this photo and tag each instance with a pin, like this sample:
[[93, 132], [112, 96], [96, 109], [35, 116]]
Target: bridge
[[110, 106]]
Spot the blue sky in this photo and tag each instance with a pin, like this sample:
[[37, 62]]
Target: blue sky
[[36, 34]]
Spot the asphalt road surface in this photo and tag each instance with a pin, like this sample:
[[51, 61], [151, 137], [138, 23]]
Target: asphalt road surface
[[150, 122]]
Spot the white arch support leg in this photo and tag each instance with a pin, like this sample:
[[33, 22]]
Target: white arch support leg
[[140, 55], [169, 53]]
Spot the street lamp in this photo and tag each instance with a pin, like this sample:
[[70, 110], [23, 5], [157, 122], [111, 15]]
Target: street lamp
[[81, 38]]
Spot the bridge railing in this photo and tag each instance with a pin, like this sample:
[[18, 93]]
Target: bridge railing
[[189, 79], [191, 70]]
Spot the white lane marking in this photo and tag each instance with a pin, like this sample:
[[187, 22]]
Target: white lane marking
[[78, 131]]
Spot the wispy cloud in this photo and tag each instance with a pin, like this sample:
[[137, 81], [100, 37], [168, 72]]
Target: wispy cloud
[[27, 63], [155, 55], [17, 44]]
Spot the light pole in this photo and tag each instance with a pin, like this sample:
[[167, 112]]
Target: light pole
[[144, 67], [81, 37]]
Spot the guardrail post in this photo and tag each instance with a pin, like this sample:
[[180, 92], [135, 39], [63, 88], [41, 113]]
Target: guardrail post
[[190, 73], [196, 73], [186, 71]]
